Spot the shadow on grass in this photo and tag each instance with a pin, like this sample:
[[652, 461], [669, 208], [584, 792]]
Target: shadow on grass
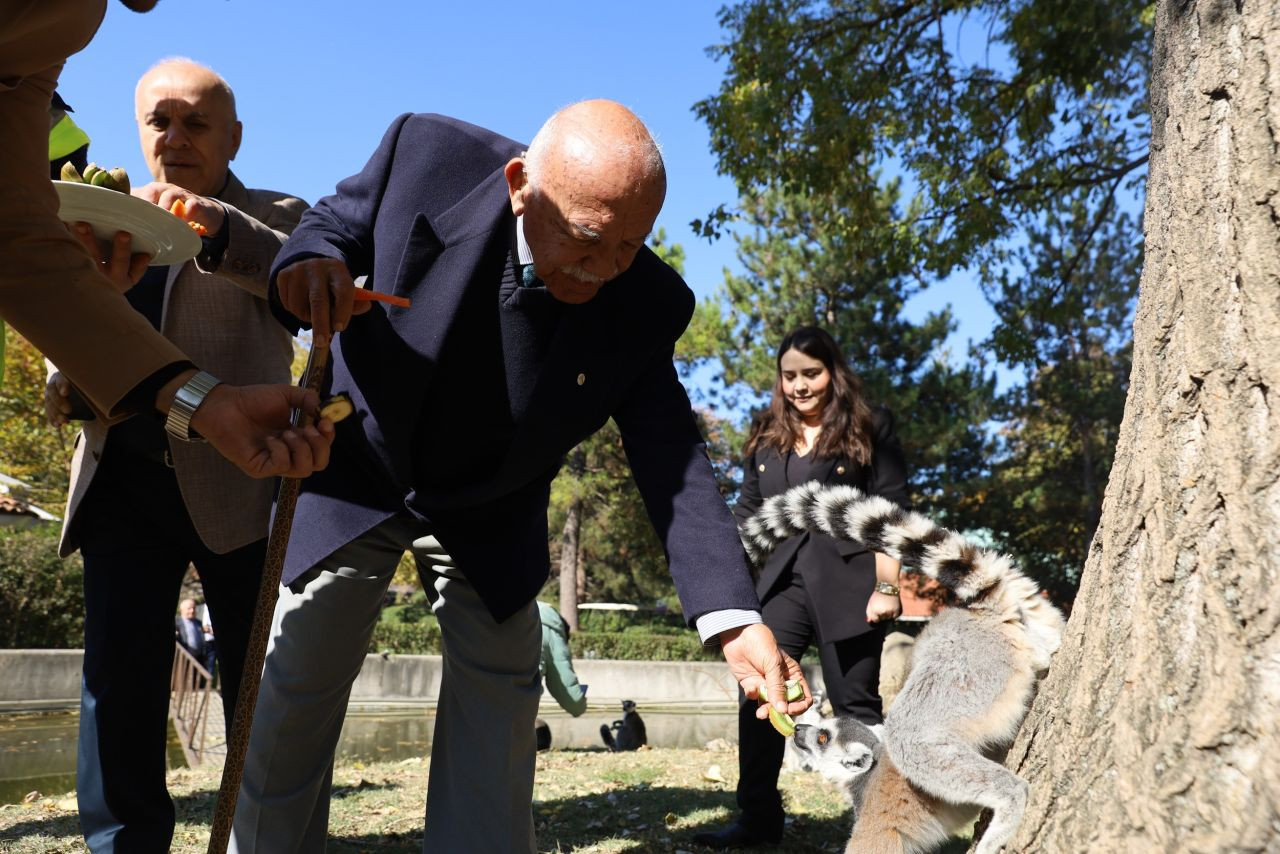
[[193, 808], [636, 819]]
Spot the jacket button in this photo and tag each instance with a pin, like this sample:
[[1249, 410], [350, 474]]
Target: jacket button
[[582, 378], [762, 467], [839, 469]]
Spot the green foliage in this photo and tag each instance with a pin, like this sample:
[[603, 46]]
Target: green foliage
[[800, 270], [992, 110], [639, 646], [1072, 298], [41, 595], [410, 629], [1012, 130], [416, 638], [592, 620], [30, 449]]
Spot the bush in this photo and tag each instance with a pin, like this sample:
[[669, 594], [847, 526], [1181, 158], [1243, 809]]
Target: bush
[[417, 638], [640, 646], [420, 635], [591, 620], [41, 594]]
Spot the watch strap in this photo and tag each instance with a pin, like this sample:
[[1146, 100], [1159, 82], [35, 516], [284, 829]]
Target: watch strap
[[185, 403]]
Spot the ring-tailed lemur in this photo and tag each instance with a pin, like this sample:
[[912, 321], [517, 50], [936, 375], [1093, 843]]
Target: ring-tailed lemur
[[974, 671]]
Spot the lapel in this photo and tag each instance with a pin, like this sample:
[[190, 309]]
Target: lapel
[[443, 256], [234, 194]]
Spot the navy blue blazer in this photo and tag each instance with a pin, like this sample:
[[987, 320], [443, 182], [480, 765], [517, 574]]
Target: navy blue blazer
[[839, 575], [429, 218]]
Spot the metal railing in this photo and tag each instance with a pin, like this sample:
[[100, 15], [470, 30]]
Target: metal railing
[[191, 687]]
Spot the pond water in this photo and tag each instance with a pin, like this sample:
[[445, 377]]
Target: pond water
[[38, 751]]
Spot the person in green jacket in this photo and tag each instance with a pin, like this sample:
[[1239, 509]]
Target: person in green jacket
[[557, 664]]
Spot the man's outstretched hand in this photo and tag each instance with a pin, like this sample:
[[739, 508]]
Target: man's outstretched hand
[[754, 660], [250, 426]]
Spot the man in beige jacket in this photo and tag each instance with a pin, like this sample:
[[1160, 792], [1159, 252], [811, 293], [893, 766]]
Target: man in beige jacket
[[144, 505], [53, 294]]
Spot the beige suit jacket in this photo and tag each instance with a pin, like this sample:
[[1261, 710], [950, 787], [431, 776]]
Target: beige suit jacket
[[50, 290], [222, 321]]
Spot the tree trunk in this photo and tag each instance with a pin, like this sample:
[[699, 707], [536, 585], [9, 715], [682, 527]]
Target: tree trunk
[[569, 564], [1157, 728]]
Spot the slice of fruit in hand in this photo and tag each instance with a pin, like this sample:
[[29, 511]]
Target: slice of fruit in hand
[[179, 209], [337, 408], [782, 722]]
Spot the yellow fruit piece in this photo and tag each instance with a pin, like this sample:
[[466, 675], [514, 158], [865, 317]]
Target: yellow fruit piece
[[782, 722], [337, 408], [794, 691], [70, 173]]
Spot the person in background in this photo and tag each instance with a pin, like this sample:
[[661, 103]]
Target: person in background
[[143, 505], [67, 142], [556, 665], [815, 590], [191, 634], [55, 293]]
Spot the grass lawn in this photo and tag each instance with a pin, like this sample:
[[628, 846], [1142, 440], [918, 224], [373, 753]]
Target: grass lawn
[[584, 801]]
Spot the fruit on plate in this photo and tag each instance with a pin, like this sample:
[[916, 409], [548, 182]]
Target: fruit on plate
[[111, 179]]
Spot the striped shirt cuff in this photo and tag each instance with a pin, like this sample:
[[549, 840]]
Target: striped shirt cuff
[[712, 623]]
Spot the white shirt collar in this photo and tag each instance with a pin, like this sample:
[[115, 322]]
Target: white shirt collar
[[524, 255]]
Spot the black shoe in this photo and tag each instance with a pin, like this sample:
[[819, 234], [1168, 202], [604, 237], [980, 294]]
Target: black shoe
[[736, 835]]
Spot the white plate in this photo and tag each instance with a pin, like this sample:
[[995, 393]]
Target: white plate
[[155, 231]]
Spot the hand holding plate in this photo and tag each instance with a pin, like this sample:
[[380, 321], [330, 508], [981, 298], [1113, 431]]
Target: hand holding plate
[[123, 267]]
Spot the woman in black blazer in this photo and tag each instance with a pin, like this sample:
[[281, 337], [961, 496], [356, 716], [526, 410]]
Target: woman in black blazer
[[813, 588]]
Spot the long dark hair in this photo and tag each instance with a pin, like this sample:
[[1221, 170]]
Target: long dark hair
[[846, 418]]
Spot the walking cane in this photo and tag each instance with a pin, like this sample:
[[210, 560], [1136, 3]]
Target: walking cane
[[268, 591]]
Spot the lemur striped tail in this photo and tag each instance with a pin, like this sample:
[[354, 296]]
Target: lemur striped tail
[[967, 570]]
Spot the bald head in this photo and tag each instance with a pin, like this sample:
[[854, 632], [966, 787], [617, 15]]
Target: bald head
[[589, 189], [601, 137], [187, 124]]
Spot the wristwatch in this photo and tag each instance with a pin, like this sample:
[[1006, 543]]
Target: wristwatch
[[184, 406], [886, 588]]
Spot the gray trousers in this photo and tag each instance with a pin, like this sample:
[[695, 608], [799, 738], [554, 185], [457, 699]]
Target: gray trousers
[[480, 788]]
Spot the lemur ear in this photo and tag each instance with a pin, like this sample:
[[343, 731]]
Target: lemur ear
[[859, 759]]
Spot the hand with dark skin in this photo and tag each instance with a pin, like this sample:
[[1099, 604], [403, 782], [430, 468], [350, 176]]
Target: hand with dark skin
[[249, 425], [320, 291]]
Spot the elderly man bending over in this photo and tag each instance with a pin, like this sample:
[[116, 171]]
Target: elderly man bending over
[[538, 314]]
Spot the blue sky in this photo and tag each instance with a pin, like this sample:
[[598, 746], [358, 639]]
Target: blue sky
[[317, 83]]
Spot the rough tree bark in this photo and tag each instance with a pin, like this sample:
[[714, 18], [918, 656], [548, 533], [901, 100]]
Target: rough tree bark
[[1158, 728]]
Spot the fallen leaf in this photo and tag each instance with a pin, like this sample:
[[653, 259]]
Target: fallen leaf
[[713, 774], [31, 797]]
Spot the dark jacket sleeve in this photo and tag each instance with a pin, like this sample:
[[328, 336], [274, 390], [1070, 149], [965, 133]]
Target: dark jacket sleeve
[[888, 462], [669, 461], [341, 225]]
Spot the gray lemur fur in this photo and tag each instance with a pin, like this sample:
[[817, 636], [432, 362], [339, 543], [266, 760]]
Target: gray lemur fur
[[974, 672]]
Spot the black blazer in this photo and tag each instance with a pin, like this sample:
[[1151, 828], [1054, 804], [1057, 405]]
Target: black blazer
[[839, 575], [429, 218]]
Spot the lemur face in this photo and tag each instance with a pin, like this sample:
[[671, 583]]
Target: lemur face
[[841, 749]]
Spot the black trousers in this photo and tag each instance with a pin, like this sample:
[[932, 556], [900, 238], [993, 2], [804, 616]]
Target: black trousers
[[137, 541], [851, 671]]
